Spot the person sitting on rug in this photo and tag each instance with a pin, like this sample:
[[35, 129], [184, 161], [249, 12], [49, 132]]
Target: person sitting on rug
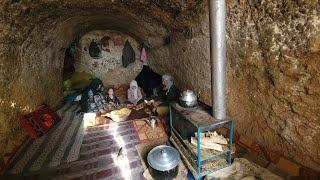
[[134, 93], [169, 92], [92, 98], [112, 100]]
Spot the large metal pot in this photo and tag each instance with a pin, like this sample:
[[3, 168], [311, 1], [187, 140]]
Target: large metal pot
[[163, 162], [188, 99]]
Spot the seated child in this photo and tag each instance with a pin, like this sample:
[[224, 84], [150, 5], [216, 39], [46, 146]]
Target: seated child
[[134, 93], [112, 100]]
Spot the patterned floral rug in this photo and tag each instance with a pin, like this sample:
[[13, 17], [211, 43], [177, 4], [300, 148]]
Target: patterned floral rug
[[146, 132]]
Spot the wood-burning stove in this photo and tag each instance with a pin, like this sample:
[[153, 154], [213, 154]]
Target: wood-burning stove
[[184, 123]]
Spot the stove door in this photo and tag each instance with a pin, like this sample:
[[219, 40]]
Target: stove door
[[184, 127]]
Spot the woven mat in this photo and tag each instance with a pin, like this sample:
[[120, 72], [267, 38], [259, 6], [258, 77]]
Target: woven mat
[[98, 156], [60, 145]]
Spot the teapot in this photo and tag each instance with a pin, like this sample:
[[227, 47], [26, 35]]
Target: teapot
[[188, 99]]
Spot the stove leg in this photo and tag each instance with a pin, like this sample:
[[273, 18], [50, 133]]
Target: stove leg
[[231, 126], [199, 153]]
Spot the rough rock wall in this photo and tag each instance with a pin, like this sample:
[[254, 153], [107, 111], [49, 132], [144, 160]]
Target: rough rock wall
[[274, 65], [273, 50], [187, 59], [30, 69], [109, 67]]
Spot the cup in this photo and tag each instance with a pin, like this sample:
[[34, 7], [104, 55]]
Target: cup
[[153, 121]]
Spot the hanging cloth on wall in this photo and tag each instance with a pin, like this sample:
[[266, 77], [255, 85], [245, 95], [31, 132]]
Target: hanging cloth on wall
[[128, 55], [94, 50], [143, 55]]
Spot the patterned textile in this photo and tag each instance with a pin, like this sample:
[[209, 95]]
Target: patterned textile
[[96, 102], [146, 132], [98, 156], [39, 121], [114, 101], [60, 145], [137, 114], [95, 87]]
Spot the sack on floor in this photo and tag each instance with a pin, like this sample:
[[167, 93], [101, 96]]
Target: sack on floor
[[78, 81]]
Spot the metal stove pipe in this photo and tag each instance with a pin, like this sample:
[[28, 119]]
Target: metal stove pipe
[[217, 16]]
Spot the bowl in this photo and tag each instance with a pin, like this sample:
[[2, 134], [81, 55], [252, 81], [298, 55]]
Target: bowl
[[89, 119]]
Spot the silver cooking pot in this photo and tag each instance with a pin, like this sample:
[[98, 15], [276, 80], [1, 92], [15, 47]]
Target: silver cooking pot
[[163, 162], [188, 99]]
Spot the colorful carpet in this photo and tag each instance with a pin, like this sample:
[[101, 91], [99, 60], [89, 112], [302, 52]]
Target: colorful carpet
[[98, 156], [137, 114], [60, 145], [147, 133]]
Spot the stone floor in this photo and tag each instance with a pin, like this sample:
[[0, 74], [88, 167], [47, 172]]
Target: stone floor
[[243, 168]]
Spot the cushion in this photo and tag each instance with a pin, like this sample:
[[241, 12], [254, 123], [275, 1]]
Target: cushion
[[39, 121]]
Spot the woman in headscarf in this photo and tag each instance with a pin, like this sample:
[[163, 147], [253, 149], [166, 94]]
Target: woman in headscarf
[[134, 93], [171, 93], [92, 99], [167, 93]]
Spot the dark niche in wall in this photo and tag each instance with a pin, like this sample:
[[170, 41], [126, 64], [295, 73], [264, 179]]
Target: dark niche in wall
[[68, 65], [167, 40], [95, 50]]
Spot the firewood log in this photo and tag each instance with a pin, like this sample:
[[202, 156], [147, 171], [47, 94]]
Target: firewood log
[[213, 138], [207, 144]]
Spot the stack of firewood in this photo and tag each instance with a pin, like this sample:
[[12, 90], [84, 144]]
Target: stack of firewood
[[211, 140]]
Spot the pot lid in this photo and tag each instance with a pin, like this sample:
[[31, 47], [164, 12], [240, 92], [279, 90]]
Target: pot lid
[[163, 158]]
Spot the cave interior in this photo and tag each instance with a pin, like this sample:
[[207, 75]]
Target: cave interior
[[272, 76]]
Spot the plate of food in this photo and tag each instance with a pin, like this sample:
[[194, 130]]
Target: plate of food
[[119, 115]]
